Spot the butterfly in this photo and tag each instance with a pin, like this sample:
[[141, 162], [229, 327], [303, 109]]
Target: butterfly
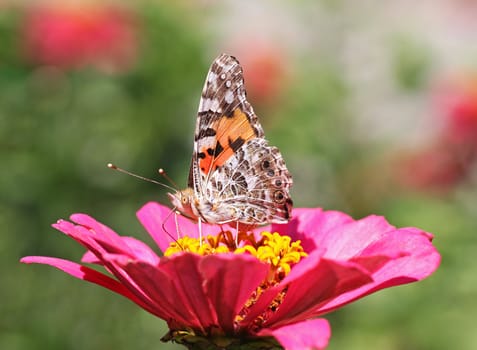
[[235, 176]]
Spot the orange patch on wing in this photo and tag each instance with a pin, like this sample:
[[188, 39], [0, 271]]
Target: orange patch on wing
[[231, 133], [231, 128]]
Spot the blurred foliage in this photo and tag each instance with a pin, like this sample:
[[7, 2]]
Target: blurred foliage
[[59, 127], [410, 61]]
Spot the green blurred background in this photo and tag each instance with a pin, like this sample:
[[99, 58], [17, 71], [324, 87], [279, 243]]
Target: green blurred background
[[373, 105]]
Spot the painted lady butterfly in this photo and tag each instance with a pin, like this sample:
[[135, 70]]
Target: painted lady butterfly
[[235, 176]]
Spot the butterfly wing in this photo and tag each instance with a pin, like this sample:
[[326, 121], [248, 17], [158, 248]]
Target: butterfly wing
[[225, 119], [233, 166], [253, 185]]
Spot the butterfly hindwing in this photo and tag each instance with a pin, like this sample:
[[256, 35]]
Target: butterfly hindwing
[[254, 184]]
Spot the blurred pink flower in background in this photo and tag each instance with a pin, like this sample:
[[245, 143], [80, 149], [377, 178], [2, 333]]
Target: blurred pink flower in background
[[102, 36], [456, 100], [230, 296], [264, 69], [437, 168], [449, 157]]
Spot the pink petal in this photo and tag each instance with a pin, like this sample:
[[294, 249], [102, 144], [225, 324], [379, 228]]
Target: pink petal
[[100, 239], [99, 229], [85, 236], [129, 272], [160, 222], [314, 285], [200, 291], [306, 335], [87, 274], [107, 246], [153, 216], [90, 258], [139, 251], [109, 240], [392, 256], [177, 285], [229, 281], [81, 235], [311, 283], [309, 224], [184, 272], [71, 230], [417, 260], [348, 240]]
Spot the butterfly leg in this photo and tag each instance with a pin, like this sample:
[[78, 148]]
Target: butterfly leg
[[200, 231], [178, 232], [236, 233]]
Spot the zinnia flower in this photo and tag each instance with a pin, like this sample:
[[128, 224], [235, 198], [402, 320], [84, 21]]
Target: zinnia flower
[[267, 290]]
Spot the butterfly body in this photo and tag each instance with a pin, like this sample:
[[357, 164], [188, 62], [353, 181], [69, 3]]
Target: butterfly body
[[235, 176]]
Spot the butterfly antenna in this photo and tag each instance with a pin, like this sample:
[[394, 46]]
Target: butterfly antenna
[[173, 210], [163, 173], [114, 167]]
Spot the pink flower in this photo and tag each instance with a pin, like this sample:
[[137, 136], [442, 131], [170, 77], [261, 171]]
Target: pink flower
[[75, 36], [456, 100], [436, 168], [450, 156], [223, 295]]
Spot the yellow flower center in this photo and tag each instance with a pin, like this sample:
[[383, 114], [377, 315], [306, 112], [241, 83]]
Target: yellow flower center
[[274, 249], [278, 251]]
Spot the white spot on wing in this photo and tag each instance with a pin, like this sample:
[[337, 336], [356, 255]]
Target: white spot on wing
[[211, 77], [209, 104], [229, 97], [215, 105], [203, 105]]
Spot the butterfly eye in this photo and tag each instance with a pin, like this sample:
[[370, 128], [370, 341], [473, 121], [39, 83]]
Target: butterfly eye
[[184, 200]]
